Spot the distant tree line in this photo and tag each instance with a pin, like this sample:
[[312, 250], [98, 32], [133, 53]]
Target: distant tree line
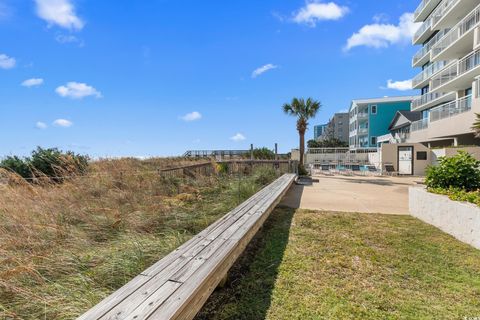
[[328, 143], [52, 163]]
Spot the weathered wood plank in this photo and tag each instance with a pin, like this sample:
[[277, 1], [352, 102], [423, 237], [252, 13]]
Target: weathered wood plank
[[188, 275]]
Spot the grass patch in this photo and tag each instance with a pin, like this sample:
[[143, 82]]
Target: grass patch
[[322, 265], [66, 247]]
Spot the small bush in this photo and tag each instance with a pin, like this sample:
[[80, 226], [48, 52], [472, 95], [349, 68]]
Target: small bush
[[52, 163], [459, 195], [458, 172], [264, 176], [261, 154]]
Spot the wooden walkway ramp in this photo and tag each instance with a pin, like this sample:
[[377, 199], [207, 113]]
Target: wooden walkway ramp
[[177, 286]]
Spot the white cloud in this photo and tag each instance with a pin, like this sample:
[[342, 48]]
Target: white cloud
[[64, 39], [259, 71], [59, 12], [383, 35], [399, 85], [5, 11], [192, 116], [62, 123], [315, 11], [41, 125], [32, 82], [7, 62], [238, 137], [75, 90]]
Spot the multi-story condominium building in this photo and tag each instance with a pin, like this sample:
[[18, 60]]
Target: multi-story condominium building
[[319, 130], [338, 127], [449, 59], [371, 118]]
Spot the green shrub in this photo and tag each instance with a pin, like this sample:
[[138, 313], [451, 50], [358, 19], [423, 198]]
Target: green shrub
[[52, 163], [264, 176], [261, 154], [459, 195], [17, 165], [458, 172]]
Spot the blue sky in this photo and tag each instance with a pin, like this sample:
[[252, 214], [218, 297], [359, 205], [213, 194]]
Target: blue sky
[[146, 78]]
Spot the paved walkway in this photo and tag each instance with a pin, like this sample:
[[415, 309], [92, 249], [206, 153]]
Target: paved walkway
[[387, 195]]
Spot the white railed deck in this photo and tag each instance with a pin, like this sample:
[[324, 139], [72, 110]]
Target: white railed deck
[[177, 286], [451, 109]]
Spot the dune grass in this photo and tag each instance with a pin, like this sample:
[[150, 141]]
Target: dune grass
[[323, 265], [64, 247]]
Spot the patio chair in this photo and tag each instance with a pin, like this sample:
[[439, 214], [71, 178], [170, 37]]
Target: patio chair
[[390, 170]]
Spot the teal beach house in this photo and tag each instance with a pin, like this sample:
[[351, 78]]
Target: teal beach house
[[371, 118]]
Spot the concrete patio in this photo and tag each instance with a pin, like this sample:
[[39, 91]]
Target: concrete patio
[[387, 195]]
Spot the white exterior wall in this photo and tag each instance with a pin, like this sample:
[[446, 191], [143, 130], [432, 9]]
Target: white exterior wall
[[459, 219]]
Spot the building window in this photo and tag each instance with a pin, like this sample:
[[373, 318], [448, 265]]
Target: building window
[[374, 109], [374, 141], [421, 155]]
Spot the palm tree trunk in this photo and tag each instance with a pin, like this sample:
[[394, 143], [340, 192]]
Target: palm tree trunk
[[302, 146]]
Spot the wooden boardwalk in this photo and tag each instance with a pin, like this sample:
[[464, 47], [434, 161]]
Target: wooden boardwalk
[[177, 286]]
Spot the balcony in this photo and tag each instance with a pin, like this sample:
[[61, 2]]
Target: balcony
[[458, 41], [424, 32], [451, 109], [362, 116], [423, 78], [424, 9], [419, 125], [448, 12], [431, 99], [362, 131], [423, 55], [443, 8], [459, 75]]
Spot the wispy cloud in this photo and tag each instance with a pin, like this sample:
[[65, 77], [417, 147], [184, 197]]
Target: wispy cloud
[[63, 123], [7, 62], [32, 82], [379, 35], [259, 71], [5, 11], [399, 85], [238, 137], [68, 38], [192, 116], [75, 90], [59, 12], [315, 11], [41, 125]]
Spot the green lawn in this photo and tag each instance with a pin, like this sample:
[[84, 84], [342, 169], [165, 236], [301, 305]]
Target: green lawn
[[322, 265]]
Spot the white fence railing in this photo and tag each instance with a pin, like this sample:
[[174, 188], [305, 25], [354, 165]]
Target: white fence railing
[[451, 109], [428, 46], [443, 8], [419, 125], [467, 24], [426, 98], [423, 28], [338, 156], [429, 72]]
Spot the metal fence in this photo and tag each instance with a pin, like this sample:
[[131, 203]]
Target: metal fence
[[338, 156]]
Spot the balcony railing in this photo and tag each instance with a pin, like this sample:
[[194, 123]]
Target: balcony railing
[[423, 28], [419, 9], [426, 98], [443, 8], [429, 71], [419, 125], [428, 46], [362, 116], [456, 70], [451, 109], [467, 24], [362, 130]]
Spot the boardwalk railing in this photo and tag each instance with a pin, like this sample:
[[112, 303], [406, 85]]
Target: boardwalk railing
[[232, 167], [177, 286]]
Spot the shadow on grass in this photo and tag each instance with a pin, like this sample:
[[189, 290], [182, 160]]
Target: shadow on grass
[[248, 291]]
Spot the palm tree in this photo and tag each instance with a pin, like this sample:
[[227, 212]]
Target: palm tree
[[303, 111], [476, 126]]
